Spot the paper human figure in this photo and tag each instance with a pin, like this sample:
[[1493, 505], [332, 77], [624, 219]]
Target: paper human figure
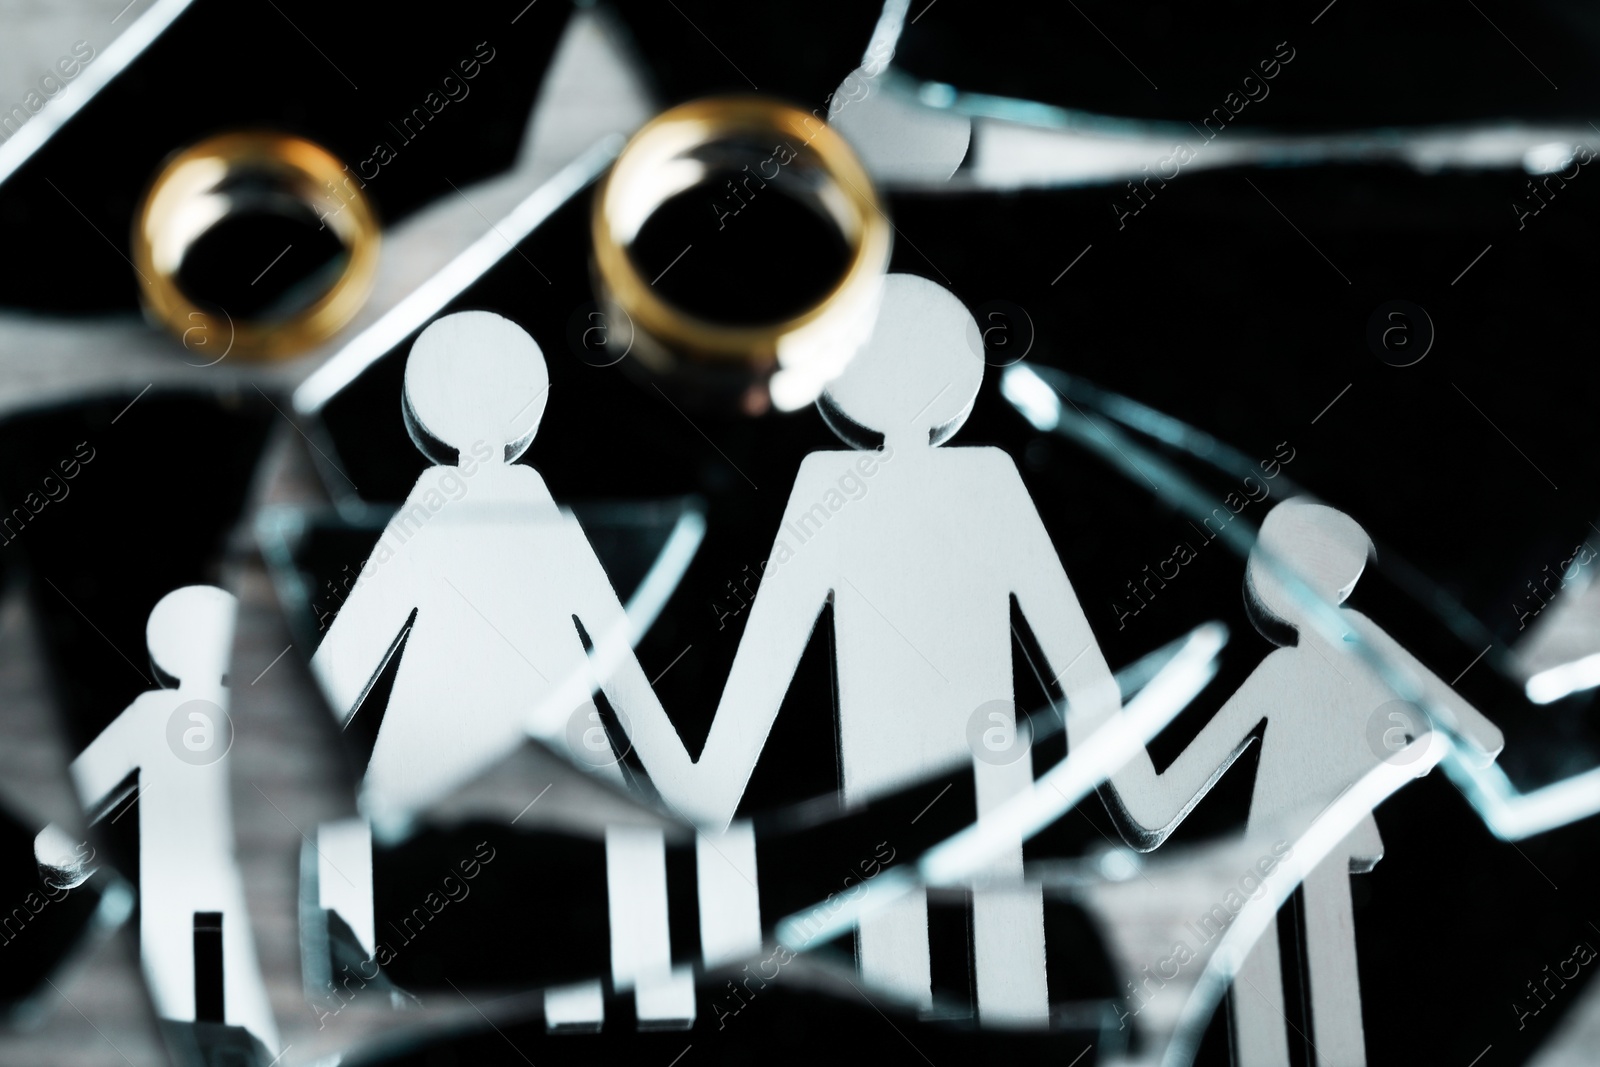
[[474, 587], [194, 930], [920, 550], [1330, 719]]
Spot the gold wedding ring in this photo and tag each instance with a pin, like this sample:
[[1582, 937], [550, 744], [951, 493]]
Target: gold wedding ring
[[261, 172], [788, 361]]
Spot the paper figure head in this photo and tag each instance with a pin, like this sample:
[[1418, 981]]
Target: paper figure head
[[190, 634], [1326, 548], [915, 379], [474, 377]]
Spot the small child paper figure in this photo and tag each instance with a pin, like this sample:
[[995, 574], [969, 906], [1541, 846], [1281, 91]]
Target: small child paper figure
[[1330, 719], [189, 885]]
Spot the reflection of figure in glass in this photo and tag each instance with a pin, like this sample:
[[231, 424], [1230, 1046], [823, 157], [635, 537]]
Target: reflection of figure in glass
[[1320, 705], [474, 583], [176, 741], [921, 551]]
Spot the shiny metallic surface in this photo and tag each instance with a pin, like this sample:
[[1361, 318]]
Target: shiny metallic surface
[[789, 361], [239, 173]]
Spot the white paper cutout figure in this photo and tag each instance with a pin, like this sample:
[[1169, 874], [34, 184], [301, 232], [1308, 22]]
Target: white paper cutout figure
[[1325, 730], [482, 575], [177, 740], [920, 550], [492, 568]]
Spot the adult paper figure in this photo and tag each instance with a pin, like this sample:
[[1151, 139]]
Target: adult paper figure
[[474, 586], [177, 740], [474, 583], [1330, 720], [920, 550]]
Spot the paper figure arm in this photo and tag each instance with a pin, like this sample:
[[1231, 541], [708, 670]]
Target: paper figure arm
[[1045, 596], [369, 625], [1483, 735], [110, 758], [99, 769], [791, 596], [1147, 806]]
